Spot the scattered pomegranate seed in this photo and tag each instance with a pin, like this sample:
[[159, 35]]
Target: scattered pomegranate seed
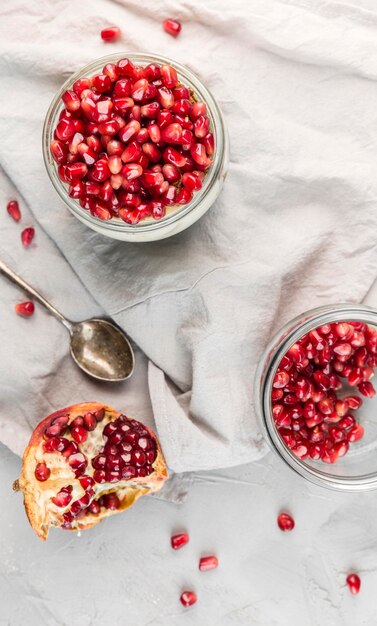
[[208, 562], [286, 522], [14, 210], [172, 27], [353, 581], [25, 309], [110, 33], [188, 598], [27, 236], [180, 540], [121, 125]]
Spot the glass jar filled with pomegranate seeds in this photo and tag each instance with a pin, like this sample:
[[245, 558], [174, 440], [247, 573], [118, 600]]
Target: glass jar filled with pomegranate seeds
[[136, 146], [315, 397]]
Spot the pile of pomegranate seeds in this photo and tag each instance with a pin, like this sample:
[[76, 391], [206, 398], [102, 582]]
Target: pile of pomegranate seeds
[[188, 598], [172, 27], [25, 309], [14, 210], [353, 581], [286, 522], [27, 236], [313, 419], [132, 142], [180, 540], [110, 34], [207, 563]]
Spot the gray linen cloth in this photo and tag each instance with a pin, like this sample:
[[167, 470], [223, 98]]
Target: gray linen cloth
[[295, 225]]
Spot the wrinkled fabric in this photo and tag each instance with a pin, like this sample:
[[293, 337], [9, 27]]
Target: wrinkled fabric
[[294, 226]]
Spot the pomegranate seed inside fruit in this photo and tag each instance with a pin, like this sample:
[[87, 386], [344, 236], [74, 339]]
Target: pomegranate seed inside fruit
[[172, 27], [63, 497], [14, 210], [207, 563], [25, 309], [353, 581], [27, 236], [286, 522], [79, 434], [179, 540], [110, 33], [42, 472], [188, 598]]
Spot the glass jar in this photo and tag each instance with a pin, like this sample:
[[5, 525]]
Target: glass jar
[[176, 219], [357, 470]]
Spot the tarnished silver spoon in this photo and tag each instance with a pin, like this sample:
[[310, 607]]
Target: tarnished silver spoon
[[99, 348]]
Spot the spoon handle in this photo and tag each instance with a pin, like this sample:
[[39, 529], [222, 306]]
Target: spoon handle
[[17, 280]]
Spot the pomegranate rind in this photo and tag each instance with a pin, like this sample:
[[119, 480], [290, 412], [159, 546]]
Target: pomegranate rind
[[36, 493]]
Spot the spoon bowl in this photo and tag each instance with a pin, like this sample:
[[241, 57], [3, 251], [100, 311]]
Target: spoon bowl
[[102, 350]]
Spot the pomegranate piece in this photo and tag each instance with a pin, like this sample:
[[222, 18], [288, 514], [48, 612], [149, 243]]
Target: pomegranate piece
[[14, 210], [179, 540], [286, 522], [353, 581], [110, 33], [172, 27], [104, 462], [208, 562], [25, 309], [188, 598], [27, 236]]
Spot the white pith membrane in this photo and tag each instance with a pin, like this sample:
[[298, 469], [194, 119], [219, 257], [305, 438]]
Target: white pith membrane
[[44, 513]]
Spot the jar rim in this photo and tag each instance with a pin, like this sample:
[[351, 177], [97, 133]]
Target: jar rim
[[268, 363], [145, 226]]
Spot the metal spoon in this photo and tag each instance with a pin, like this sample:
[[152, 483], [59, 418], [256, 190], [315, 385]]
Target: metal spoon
[[98, 347]]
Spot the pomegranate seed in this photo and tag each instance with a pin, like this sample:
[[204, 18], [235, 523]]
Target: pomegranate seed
[[111, 501], [65, 129], [169, 76], [201, 126], [90, 421], [356, 433], [198, 153], [94, 507], [172, 27], [42, 472], [366, 388], [188, 598], [99, 476], [27, 236], [110, 33], [207, 563], [25, 309], [354, 402], [172, 133], [184, 196], [171, 173], [71, 100], [180, 540], [80, 85], [79, 434], [165, 98], [286, 522], [63, 497], [353, 581], [209, 143]]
